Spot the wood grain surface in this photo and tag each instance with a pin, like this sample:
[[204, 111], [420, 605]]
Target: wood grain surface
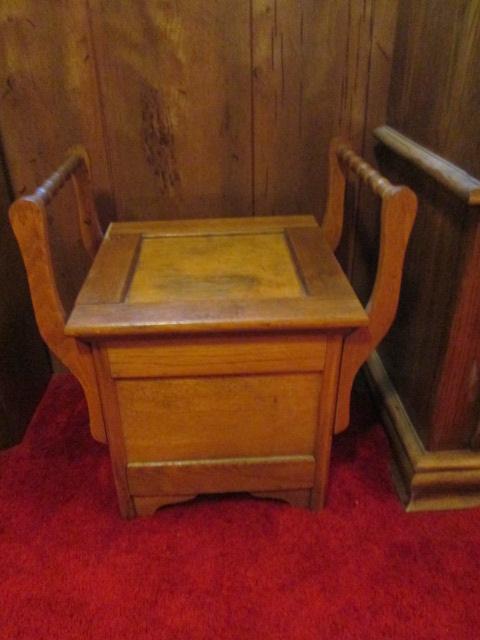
[[242, 266], [435, 72], [431, 353], [273, 473], [175, 89], [195, 418], [214, 356], [250, 280], [191, 109], [29, 220], [49, 102]]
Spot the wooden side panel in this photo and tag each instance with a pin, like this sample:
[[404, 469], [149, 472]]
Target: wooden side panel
[[24, 368], [414, 350], [175, 88], [431, 353], [214, 417]]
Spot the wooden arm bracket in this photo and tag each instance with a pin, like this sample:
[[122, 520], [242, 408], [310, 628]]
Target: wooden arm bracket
[[399, 205], [28, 218]]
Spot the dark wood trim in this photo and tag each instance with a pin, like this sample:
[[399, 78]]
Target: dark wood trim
[[446, 173], [425, 480]]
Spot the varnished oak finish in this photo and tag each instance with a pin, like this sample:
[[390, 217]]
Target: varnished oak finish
[[321, 297], [29, 221], [220, 351]]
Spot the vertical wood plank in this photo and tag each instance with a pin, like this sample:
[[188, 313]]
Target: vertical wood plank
[[461, 122], [367, 215], [49, 102], [320, 69], [448, 89], [298, 55], [383, 29], [175, 85], [355, 72], [363, 20]]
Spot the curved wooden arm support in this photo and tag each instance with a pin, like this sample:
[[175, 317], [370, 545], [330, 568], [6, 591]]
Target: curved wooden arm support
[[29, 221], [399, 205]]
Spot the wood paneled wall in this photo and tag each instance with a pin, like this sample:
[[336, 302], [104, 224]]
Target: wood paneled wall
[[435, 93], [190, 108], [433, 351]]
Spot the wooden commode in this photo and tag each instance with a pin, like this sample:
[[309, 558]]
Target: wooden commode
[[216, 355]]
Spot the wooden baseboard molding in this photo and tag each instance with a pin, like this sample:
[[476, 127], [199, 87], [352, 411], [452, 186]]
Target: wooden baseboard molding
[[425, 480]]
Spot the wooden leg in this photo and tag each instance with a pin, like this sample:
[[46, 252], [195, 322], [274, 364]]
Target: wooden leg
[[321, 480], [297, 497], [147, 505], [326, 419], [125, 501]]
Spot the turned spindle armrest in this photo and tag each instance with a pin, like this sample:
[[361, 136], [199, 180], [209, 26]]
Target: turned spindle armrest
[[28, 218], [398, 210]]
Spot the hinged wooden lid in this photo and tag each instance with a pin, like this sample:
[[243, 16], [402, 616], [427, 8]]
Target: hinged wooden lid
[[269, 273]]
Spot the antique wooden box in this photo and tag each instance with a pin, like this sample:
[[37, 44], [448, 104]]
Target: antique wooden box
[[217, 346], [215, 355]]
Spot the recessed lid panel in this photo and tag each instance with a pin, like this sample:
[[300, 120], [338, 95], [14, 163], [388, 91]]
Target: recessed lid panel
[[250, 274], [214, 267]]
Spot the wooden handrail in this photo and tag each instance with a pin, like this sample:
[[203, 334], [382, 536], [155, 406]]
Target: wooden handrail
[[28, 218], [341, 157], [49, 188], [444, 172], [380, 185], [398, 211]]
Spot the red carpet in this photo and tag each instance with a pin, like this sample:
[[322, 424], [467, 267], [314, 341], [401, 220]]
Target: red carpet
[[223, 568]]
